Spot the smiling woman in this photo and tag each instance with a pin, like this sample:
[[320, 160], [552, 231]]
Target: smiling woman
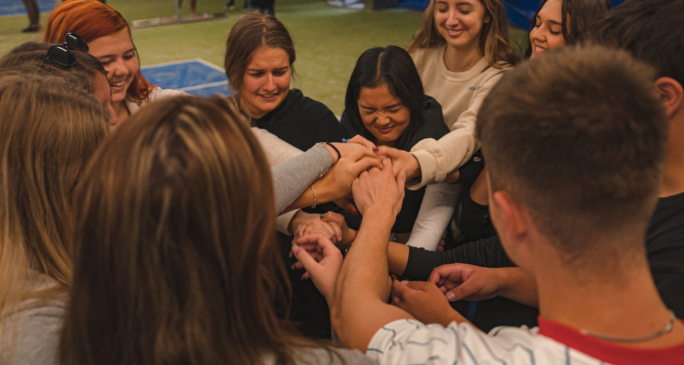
[[109, 39], [385, 103], [562, 22], [259, 64]]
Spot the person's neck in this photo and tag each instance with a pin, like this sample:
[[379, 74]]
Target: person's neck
[[673, 180], [120, 109], [621, 303], [462, 59], [381, 143]]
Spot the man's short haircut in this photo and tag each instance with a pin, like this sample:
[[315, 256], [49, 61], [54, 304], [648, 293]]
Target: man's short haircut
[[651, 30], [579, 137]]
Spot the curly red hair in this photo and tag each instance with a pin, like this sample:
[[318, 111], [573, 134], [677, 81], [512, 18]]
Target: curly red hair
[[91, 20]]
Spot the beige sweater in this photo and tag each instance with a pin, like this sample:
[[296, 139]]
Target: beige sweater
[[460, 94]]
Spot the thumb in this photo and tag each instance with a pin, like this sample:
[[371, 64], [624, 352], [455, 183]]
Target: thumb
[[401, 179], [462, 291], [387, 151]]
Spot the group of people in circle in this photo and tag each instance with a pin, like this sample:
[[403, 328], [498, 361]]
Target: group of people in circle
[[141, 225]]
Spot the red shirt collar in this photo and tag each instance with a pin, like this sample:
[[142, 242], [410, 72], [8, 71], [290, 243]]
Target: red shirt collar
[[607, 351]]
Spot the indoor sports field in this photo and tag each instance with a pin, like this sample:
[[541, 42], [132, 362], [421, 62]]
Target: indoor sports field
[[328, 39]]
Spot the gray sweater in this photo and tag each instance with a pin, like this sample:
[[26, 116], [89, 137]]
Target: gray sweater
[[36, 338], [292, 177]]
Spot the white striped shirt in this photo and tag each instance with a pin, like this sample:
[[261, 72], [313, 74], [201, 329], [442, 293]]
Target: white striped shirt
[[411, 342]]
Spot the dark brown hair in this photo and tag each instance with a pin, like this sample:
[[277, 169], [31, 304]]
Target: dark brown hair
[[30, 58], [577, 18], [579, 137], [250, 33], [176, 260], [651, 30], [493, 36]]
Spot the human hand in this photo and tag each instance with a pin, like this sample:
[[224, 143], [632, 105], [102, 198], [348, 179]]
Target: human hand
[[401, 160], [336, 183], [323, 272], [357, 139], [424, 301], [381, 189], [348, 234], [462, 281], [307, 223], [442, 242]]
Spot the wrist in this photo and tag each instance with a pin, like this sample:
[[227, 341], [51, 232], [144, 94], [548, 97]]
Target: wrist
[[333, 154], [413, 169], [380, 216]]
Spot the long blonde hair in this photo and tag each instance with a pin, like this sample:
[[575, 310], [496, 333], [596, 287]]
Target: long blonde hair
[[181, 204], [493, 40], [49, 128]]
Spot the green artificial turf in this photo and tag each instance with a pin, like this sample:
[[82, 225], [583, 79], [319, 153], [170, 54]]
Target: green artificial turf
[[328, 40]]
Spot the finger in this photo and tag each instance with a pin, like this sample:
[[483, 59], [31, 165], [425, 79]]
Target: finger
[[401, 179], [306, 276], [334, 217], [312, 239], [419, 285], [389, 152], [362, 141], [365, 164], [346, 205], [297, 265], [468, 288], [399, 289], [440, 248], [305, 259], [338, 230]]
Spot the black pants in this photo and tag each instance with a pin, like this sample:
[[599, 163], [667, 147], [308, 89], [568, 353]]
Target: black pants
[[32, 11]]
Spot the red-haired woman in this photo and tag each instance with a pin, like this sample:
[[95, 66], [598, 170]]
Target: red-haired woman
[[109, 38]]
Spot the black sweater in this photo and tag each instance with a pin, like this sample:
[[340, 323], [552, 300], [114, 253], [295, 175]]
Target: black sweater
[[432, 126], [301, 122], [664, 249]]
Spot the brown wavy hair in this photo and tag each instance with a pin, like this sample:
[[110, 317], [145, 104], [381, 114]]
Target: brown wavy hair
[[493, 36], [250, 33], [180, 204], [49, 129]]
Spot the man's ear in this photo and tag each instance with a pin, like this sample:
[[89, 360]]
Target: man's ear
[[512, 215], [671, 93]]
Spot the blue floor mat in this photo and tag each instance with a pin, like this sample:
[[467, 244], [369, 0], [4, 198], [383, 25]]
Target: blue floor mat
[[196, 77]]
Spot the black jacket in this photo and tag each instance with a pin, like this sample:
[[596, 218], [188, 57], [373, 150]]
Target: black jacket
[[432, 126], [301, 122]]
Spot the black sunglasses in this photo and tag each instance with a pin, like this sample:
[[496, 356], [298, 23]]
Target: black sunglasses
[[59, 53]]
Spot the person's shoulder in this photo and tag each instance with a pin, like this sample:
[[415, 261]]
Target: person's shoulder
[[332, 356], [158, 93], [433, 125], [409, 341], [424, 55]]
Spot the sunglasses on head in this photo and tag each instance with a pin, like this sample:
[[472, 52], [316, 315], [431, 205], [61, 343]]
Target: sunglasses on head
[[59, 53]]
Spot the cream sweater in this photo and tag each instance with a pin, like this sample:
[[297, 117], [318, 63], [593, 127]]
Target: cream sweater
[[460, 94]]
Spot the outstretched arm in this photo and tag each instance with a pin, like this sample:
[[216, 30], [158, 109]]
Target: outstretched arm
[[360, 306]]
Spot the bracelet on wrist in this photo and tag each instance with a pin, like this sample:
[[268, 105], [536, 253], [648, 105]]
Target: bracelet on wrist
[[339, 155], [313, 190]]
